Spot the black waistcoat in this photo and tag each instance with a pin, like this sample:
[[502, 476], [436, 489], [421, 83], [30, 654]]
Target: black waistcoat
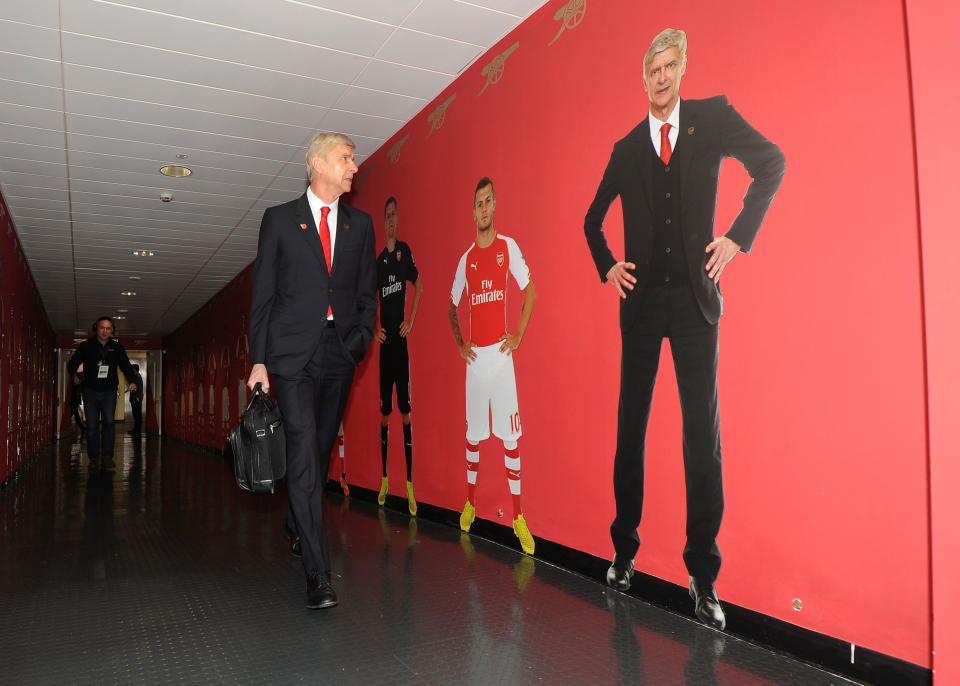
[[668, 263]]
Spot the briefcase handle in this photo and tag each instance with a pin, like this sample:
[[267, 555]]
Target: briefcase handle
[[258, 392]]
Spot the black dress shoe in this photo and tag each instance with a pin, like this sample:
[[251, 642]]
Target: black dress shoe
[[618, 576], [706, 604], [320, 593], [295, 548]]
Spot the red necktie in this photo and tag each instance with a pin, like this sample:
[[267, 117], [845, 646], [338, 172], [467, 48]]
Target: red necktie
[[324, 232], [665, 150]]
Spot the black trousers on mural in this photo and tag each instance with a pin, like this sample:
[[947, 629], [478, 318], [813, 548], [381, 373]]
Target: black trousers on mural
[[312, 403], [671, 312]]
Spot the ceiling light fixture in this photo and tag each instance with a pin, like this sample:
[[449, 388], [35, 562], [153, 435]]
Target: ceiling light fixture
[[122, 310], [181, 156], [143, 253], [135, 278], [176, 171], [128, 292], [120, 316]]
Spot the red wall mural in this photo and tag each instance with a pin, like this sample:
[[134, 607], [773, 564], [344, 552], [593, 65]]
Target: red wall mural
[[27, 358], [822, 376], [205, 368]]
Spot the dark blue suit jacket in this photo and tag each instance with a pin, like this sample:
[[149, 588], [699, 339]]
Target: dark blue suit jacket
[[292, 287], [709, 131]]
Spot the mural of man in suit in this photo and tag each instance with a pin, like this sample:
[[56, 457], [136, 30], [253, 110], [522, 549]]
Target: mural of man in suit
[[666, 174], [312, 314]]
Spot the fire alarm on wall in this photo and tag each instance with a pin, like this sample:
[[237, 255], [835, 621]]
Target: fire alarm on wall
[[166, 197]]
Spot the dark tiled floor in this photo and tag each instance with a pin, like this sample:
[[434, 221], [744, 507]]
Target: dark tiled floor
[[164, 572]]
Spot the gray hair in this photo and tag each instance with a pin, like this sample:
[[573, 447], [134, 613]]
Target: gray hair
[[668, 38], [320, 145]]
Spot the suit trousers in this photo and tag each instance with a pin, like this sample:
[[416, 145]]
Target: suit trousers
[[671, 312], [312, 403], [100, 407]]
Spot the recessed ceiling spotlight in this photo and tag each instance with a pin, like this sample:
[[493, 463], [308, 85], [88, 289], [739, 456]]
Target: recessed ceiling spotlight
[[135, 278], [181, 156], [166, 197], [120, 316], [128, 292], [143, 253], [122, 310], [176, 171]]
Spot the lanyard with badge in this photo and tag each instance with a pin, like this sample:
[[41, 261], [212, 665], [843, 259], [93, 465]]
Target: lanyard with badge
[[103, 369]]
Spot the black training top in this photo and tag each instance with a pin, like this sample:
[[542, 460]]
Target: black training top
[[394, 269]]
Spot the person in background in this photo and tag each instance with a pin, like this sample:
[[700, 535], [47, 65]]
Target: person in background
[[136, 402], [76, 398], [101, 356]]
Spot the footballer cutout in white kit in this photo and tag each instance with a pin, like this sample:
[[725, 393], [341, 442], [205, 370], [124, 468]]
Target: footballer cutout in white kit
[[491, 381]]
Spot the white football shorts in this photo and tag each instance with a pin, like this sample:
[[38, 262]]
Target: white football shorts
[[492, 391]]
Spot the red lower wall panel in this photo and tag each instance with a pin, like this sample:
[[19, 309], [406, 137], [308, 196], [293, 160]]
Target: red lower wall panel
[[821, 372], [27, 358]]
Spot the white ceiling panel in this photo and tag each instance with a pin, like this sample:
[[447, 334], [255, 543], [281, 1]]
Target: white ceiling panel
[[15, 165], [183, 68], [397, 78], [234, 90], [41, 72], [30, 95], [130, 25], [24, 213], [308, 24], [154, 151], [26, 151], [32, 135], [36, 12], [422, 50], [182, 118], [174, 137], [162, 92], [15, 194], [27, 39], [387, 11], [461, 21], [399, 107], [521, 9], [13, 113]]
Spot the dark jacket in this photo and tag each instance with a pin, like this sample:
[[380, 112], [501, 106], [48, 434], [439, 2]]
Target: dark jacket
[[292, 288], [91, 354], [709, 131]]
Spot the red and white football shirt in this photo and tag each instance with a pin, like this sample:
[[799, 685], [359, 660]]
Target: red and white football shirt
[[483, 273]]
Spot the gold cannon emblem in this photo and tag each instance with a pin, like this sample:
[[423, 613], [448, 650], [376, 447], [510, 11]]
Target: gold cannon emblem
[[439, 115], [494, 70], [394, 152], [571, 14]]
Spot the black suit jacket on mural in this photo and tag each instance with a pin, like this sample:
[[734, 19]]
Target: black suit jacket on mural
[[709, 131], [292, 287]]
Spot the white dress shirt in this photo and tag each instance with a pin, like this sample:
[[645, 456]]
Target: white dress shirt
[[656, 124]]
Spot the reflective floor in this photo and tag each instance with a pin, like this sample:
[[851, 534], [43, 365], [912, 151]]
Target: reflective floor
[[163, 572]]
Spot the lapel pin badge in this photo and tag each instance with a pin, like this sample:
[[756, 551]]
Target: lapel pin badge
[[303, 226], [346, 226], [690, 131]]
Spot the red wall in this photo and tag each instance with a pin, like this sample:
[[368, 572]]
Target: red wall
[[823, 377], [27, 358], [209, 351], [933, 50]]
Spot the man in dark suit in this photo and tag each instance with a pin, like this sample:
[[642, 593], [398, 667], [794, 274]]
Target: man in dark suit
[[312, 314], [665, 172]]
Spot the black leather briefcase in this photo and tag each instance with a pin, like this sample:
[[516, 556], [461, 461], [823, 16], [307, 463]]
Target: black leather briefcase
[[259, 445]]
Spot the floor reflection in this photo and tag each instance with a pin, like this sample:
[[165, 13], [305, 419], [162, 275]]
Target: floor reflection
[[162, 571]]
